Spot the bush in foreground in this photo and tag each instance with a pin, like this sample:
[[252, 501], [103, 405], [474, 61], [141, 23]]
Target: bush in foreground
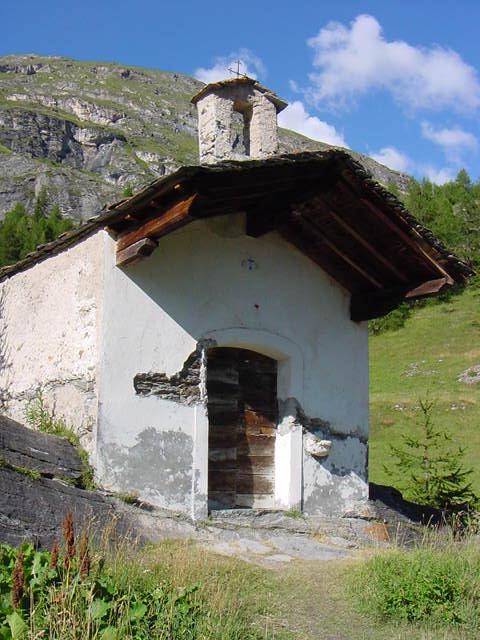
[[431, 585]]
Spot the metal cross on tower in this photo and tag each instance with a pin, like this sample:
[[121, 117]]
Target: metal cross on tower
[[237, 72]]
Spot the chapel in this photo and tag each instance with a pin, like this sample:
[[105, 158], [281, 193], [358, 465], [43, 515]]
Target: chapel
[[207, 337]]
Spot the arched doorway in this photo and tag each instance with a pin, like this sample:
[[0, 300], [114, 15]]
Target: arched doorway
[[242, 416]]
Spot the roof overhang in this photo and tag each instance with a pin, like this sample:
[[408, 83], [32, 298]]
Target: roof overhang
[[324, 203], [215, 87]]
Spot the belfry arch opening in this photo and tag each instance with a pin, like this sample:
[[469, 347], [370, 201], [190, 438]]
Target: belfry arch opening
[[242, 416], [241, 119]]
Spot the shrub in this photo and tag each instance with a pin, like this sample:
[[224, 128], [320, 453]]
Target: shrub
[[435, 585], [392, 321], [432, 468]]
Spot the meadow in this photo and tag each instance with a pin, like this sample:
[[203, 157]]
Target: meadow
[[426, 359]]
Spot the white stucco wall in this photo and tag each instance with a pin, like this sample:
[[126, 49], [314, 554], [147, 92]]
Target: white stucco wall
[[49, 328], [210, 281]]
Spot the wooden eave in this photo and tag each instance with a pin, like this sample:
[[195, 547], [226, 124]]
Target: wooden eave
[[324, 203], [345, 222]]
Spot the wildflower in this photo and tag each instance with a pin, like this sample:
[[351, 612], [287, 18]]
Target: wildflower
[[18, 581], [69, 537], [84, 556]]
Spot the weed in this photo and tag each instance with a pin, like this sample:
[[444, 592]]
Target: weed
[[129, 498], [39, 417], [293, 513], [25, 471], [117, 592]]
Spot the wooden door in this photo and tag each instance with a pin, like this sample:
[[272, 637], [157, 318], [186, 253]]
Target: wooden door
[[242, 412]]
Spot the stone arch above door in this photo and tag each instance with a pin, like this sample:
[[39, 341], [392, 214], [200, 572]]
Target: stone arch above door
[[287, 353]]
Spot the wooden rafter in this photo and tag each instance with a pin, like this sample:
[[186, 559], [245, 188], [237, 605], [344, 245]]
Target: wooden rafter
[[177, 215], [313, 228], [361, 240], [414, 244]]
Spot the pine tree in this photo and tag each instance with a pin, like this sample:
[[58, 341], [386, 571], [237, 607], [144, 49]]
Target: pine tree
[[21, 233], [432, 469], [451, 211]]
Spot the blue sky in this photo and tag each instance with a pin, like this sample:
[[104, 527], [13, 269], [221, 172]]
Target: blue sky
[[398, 80]]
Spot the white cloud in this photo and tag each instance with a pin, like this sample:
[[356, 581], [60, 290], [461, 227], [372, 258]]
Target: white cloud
[[438, 176], [399, 161], [250, 65], [352, 60], [393, 158], [296, 117], [452, 141]]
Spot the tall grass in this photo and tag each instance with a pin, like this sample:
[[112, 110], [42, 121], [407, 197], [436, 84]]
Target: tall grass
[[438, 584], [119, 592]]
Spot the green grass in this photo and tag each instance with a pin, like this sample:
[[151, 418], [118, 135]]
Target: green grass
[[436, 583], [177, 590], [124, 594], [426, 357]]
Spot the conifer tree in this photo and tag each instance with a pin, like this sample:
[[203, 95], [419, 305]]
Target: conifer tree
[[21, 233], [432, 468]]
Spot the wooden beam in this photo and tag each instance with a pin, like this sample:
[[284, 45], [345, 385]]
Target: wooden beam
[[175, 216], [359, 238], [312, 248], [366, 306], [428, 288], [313, 228], [135, 252], [414, 244]]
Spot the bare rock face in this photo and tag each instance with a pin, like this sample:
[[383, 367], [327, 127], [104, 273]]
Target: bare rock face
[[50, 456], [37, 477], [32, 510], [84, 132]]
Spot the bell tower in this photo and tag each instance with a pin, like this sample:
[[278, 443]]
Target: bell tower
[[237, 120]]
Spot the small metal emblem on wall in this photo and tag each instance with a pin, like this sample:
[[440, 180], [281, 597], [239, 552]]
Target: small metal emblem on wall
[[249, 264]]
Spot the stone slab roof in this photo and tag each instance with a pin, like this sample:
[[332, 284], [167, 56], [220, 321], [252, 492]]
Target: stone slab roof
[[244, 80]]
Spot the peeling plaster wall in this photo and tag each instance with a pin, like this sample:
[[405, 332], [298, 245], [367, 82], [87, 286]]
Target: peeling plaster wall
[[209, 281], [49, 330], [339, 479]]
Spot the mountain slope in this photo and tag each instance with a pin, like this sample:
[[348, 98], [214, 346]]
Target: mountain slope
[[435, 355], [86, 131]]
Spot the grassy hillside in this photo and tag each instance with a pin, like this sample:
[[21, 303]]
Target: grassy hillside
[[427, 356]]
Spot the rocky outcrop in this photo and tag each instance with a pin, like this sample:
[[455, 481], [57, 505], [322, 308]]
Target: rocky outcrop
[[33, 509], [49, 456], [37, 477]]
